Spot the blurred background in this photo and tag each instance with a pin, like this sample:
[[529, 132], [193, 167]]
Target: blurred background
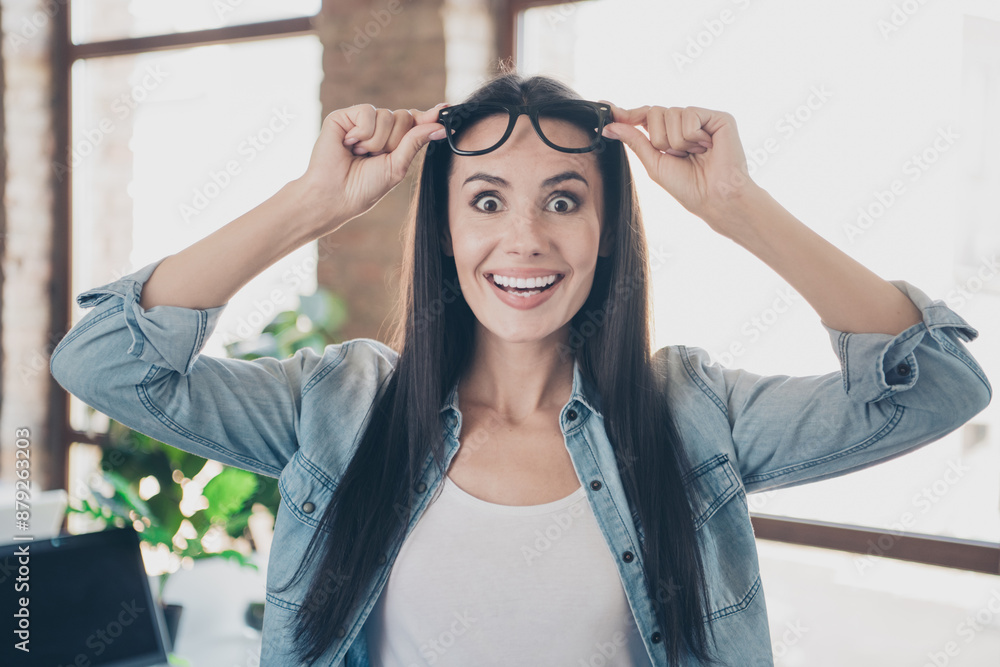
[[133, 128]]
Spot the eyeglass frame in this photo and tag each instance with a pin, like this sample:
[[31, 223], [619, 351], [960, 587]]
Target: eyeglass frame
[[514, 111]]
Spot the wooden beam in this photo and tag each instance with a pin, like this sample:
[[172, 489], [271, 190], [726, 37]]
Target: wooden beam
[[302, 25], [973, 555]]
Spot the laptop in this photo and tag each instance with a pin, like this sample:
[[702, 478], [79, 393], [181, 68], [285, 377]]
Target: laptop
[[89, 602]]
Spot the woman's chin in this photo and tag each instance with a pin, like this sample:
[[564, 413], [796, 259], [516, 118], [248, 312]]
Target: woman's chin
[[522, 334]]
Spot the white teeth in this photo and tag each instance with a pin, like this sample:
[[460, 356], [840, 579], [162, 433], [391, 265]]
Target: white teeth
[[524, 283]]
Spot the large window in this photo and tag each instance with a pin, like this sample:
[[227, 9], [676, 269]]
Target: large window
[[103, 20], [172, 135], [872, 123], [875, 136]]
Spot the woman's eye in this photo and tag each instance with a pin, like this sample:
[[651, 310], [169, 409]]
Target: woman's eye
[[487, 203], [562, 204]]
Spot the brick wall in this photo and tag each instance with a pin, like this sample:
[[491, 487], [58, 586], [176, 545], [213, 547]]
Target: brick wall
[[28, 242], [33, 174], [3, 211], [393, 55]]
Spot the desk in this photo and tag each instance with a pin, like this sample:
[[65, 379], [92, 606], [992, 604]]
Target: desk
[[215, 594]]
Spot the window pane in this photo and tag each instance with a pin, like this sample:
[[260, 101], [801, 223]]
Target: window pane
[[170, 146], [895, 613], [868, 99], [84, 462], [99, 20]]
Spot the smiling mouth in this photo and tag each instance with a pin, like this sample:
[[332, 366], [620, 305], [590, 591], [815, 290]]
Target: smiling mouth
[[527, 291]]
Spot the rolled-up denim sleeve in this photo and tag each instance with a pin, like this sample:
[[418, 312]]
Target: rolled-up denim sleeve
[[892, 395], [144, 369]]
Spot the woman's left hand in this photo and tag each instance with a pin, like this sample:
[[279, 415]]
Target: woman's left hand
[[693, 153]]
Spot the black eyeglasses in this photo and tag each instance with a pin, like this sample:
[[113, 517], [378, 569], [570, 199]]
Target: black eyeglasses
[[549, 121]]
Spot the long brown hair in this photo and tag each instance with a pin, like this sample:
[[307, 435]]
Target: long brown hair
[[610, 337]]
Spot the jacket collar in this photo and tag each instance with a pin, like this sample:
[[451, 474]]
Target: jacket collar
[[584, 398]]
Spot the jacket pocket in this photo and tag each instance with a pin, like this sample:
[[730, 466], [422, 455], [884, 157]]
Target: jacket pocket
[[305, 496], [725, 535]]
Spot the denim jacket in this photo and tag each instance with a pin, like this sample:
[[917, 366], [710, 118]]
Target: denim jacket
[[300, 419]]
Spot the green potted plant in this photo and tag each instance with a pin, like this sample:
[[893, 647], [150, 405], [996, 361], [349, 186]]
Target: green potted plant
[[142, 480]]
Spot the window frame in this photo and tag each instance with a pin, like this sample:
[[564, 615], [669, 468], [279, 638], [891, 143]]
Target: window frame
[[972, 555], [64, 54]]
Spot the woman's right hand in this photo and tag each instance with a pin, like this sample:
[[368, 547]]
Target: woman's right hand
[[362, 153]]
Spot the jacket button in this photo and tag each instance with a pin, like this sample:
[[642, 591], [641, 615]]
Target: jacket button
[[656, 637], [421, 487], [571, 415], [628, 557], [341, 632], [903, 369], [596, 485], [382, 559], [308, 507]]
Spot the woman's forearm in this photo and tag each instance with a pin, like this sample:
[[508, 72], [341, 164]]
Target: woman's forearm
[[846, 295], [338, 185], [695, 154], [209, 272]]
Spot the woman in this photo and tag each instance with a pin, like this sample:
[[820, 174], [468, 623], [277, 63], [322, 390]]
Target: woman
[[519, 479]]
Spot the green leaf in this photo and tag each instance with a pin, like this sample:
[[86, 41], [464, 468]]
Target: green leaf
[[338, 314], [267, 493], [177, 660], [228, 491], [314, 340], [237, 523], [190, 464], [88, 509], [154, 535], [201, 522], [165, 512], [282, 321], [232, 554], [146, 443], [124, 493], [327, 311]]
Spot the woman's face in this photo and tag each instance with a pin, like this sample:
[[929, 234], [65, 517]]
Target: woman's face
[[525, 211]]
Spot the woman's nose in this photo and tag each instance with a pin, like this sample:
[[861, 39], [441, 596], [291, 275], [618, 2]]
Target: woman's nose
[[526, 234]]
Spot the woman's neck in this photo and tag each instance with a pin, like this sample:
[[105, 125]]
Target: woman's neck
[[517, 380]]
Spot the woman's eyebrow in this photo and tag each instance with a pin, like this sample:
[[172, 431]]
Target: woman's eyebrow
[[554, 180], [565, 176]]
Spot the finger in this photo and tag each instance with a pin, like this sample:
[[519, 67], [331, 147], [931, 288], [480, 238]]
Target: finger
[[659, 135], [412, 141], [402, 121], [691, 126], [659, 132], [429, 116], [635, 116], [376, 143], [684, 132], [672, 121], [363, 118], [636, 140], [713, 121]]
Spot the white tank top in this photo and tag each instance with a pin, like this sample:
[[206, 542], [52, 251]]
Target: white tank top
[[477, 583]]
